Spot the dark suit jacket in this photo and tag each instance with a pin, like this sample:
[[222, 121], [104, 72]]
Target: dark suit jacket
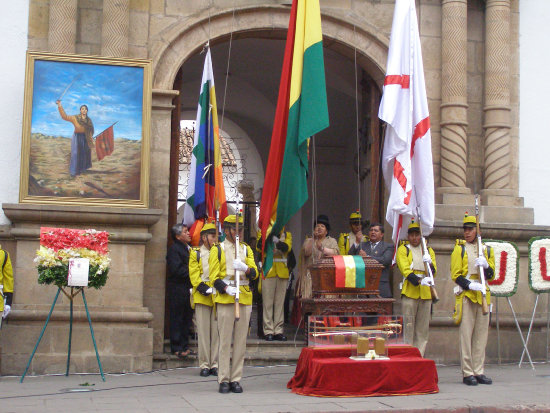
[[383, 253]]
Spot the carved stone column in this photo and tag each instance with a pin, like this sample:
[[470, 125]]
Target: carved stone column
[[454, 120], [62, 29], [497, 98], [116, 28]]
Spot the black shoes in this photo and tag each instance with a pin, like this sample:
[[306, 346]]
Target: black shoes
[[214, 371], [204, 373], [224, 387], [470, 381], [236, 387], [483, 379], [276, 337]]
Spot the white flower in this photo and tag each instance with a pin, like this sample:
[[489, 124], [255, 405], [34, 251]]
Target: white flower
[[508, 285], [536, 282]]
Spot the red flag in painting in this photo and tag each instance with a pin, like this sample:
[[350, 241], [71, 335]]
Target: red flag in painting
[[105, 143], [407, 157]]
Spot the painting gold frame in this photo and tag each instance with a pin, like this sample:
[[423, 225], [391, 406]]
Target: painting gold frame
[[60, 164]]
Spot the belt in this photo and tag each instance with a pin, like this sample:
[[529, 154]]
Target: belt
[[279, 260], [232, 283]]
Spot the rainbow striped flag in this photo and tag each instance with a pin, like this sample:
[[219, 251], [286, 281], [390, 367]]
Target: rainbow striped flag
[[350, 271], [205, 190], [302, 111]]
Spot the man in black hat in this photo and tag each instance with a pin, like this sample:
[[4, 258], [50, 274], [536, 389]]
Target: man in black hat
[[379, 250]]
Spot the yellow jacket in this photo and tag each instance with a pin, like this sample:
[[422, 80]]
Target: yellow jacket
[[344, 243], [404, 259], [198, 275], [226, 267], [460, 271], [279, 267], [6, 277]]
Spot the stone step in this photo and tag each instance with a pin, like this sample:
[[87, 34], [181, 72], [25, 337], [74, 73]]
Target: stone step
[[258, 352]]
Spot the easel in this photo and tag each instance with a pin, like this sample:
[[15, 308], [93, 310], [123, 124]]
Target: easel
[[530, 328], [74, 292], [524, 342]]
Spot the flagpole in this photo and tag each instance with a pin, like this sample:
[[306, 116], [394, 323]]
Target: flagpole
[[106, 129]]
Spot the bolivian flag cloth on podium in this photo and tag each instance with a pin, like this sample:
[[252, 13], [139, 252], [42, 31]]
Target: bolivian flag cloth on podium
[[350, 271]]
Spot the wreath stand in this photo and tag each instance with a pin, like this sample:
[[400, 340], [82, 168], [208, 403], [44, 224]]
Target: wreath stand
[[74, 292], [530, 328], [524, 342]]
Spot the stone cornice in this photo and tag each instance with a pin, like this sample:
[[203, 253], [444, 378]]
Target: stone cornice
[[81, 215]]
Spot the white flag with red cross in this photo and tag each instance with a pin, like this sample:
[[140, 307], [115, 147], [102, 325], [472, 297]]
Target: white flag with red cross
[[407, 156]]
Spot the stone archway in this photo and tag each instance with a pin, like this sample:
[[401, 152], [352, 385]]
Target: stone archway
[[178, 43]]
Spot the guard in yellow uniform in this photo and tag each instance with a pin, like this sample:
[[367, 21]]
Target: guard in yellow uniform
[[6, 284], [347, 239], [474, 325], [416, 297], [203, 262], [229, 329], [274, 289]]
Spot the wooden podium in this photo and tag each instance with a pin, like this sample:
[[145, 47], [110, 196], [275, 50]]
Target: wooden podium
[[327, 299]]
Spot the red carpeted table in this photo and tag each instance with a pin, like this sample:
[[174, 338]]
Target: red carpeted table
[[329, 372]]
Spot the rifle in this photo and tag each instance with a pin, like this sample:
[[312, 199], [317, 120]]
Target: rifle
[[237, 273], [484, 305], [427, 268]]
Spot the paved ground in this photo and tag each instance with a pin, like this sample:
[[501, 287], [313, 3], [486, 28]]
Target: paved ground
[[182, 390]]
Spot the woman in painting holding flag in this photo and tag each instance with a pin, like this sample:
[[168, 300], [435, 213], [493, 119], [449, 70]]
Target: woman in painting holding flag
[[82, 141]]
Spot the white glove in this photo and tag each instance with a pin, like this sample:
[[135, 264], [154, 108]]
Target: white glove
[[426, 281], [7, 311], [482, 262], [275, 240], [238, 265], [475, 286], [427, 259], [231, 290], [209, 291]]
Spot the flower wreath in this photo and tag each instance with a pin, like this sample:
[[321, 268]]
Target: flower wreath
[[505, 283], [58, 245], [539, 256]]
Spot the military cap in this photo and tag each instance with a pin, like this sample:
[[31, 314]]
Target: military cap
[[208, 228], [230, 220], [355, 216], [413, 226], [469, 220]]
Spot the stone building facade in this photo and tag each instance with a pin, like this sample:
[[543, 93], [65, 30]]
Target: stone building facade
[[471, 62]]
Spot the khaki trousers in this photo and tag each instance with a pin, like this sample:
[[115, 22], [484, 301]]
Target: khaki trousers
[[273, 298], [474, 328], [416, 313], [236, 331], [207, 333]]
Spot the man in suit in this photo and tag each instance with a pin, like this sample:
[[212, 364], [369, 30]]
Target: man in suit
[[379, 250]]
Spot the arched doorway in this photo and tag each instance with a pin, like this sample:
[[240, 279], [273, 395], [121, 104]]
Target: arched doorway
[[347, 153]]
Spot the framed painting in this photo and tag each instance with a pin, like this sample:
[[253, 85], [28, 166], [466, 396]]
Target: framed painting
[[86, 127]]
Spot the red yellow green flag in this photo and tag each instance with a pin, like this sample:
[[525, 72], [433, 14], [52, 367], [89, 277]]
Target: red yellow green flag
[[302, 111]]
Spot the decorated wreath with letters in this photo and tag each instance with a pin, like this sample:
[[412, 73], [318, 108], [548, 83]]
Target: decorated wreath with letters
[[539, 258], [505, 282]]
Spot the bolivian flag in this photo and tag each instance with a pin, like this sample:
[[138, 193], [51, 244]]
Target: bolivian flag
[[205, 190], [301, 112], [349, 271]]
